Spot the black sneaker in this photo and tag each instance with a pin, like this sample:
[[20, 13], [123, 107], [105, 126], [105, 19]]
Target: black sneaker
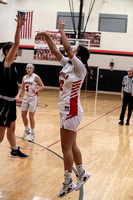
[[18, 153], [127, 123], [121, 122]]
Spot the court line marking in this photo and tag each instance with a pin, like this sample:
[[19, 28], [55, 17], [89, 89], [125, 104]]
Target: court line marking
[[47, 148], [98, 118], [87, 124]]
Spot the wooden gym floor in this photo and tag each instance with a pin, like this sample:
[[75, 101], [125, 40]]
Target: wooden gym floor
[[107, 150]]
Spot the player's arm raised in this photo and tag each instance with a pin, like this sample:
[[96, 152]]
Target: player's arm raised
[[67, 47], [12, 52]]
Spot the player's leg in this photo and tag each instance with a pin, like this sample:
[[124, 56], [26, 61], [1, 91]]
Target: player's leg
[[25, 122], [15, 151], [24, 110], [67, 139], [32, 109], [4, 109], [2, 133], [76, 153], [82, 176], [32, 125], [24, 117], [11, 134], [11, 125]]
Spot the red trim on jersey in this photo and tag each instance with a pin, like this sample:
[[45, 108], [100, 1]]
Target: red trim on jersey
[[76, 82], [74, 99], [69, 116], [73, 106]]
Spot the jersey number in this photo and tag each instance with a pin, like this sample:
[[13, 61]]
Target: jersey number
[[27, 88], [61, 85]]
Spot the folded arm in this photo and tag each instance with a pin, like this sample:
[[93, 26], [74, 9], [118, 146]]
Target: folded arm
[[51, 44]]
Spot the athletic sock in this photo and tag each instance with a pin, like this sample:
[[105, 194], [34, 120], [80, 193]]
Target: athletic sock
[[67, 176], [80, 169], [15, 147], [32, 130], [26, 128]]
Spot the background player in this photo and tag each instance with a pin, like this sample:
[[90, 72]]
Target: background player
[[71, 78], [31, 85]]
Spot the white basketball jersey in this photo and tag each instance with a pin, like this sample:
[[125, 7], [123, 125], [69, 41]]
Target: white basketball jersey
[[71, 78], [30, 84]]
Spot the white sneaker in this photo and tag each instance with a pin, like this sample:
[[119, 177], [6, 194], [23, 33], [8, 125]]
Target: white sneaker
[[82, 179], [32, 136], [66, 188], [26, 132]]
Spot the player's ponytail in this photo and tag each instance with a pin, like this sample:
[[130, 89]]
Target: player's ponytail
[[2, 44], [84, 53], [5, 46], [89, 73]]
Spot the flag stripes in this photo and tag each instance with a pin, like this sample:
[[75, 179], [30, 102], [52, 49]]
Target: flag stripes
[[26, 30]]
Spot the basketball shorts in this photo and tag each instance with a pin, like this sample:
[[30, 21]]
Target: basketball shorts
[[29, 103], [7, 112], [70, 123]]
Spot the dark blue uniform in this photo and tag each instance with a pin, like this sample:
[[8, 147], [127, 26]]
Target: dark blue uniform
[[8, 91]]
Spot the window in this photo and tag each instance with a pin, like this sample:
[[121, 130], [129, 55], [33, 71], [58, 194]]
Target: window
[[112, 23], [69, 24]]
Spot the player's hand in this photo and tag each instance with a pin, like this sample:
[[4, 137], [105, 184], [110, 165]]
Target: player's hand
[[61, 23], [19, 97], [35, 91], [20, 20], [39, 35]]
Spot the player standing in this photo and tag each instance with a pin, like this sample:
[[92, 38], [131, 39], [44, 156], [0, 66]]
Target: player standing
[[31, 85]]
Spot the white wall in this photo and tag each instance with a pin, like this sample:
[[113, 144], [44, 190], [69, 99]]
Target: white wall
[[101, 61], [44, 17]]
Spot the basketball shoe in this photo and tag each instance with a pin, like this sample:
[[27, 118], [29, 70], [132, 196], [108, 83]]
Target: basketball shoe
[[26, 132], [18, 153], [66, 188], [32, 136], [121, 123], [127, 123], [82, 179]]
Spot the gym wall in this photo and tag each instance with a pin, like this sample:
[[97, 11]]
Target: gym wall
[[114, 45]]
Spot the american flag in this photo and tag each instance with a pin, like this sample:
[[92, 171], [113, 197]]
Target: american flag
[[26, 30]]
